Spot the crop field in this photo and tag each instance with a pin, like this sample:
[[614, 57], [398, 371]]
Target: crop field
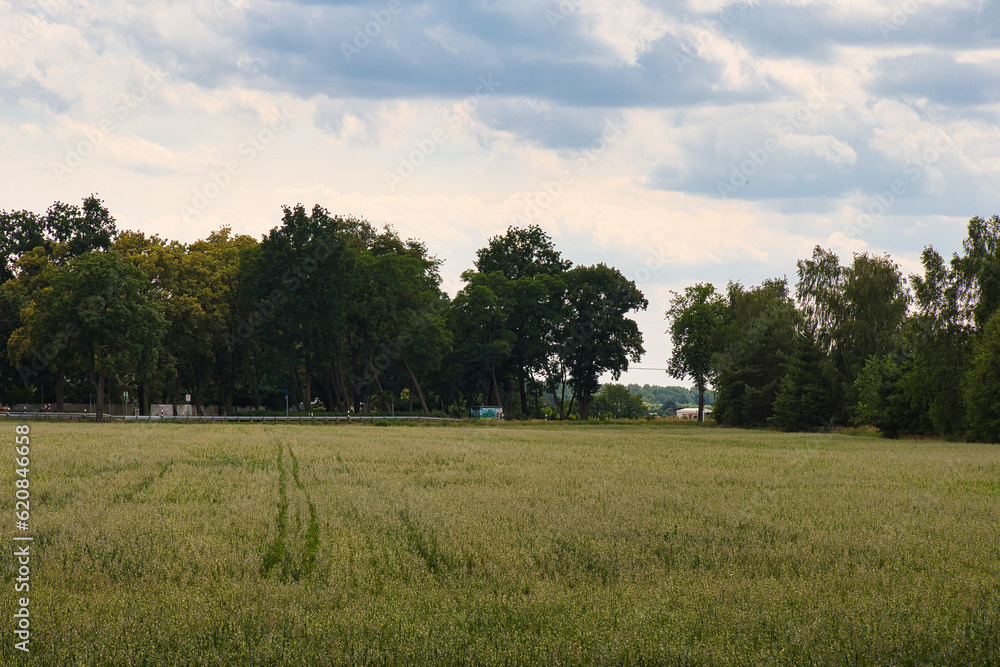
[[230, 544]]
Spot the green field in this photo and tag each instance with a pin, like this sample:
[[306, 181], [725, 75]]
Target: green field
[[304, 544]]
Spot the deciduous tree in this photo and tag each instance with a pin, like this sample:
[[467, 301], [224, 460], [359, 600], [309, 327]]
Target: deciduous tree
[[695, 317]]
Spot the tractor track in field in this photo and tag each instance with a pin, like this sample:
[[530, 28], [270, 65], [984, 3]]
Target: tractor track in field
[[276, 561], [128, 494]]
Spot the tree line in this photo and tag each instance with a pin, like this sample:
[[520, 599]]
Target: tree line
[[855, 344], [338, 314]]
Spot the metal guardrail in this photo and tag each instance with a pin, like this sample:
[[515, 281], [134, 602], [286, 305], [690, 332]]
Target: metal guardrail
[[89, 416]]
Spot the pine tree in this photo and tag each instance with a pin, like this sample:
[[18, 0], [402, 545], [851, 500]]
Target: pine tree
[[805, 400]]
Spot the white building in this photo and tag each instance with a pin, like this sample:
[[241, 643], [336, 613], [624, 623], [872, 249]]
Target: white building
[[692, 413]]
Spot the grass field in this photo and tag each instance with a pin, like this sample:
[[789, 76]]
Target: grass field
[[234, 544]]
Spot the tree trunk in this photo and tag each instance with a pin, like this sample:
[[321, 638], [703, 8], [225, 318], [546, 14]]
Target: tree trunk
[[177, 391], [381, 392], [296, 392], [308, 388], [144, 398], [416, 384], [100, 396], [343, 383], [328, 389], [523, 391], [701, 401], [496, 388], [559, 405], [584, 406], [60, 379], [341, 399]]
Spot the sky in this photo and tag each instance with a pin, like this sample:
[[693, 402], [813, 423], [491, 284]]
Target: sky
[[680, 142]]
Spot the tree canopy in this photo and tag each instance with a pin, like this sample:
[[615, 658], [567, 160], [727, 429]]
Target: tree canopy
[[695, 317], [328, 309]]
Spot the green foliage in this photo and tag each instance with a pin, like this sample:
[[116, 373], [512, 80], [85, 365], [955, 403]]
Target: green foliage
[[874, 302], [521, 253], [805, 400], [618, 402], [755, 343], [30, 241], [81, 229], [596, 336], [527, 321], [982, 384], [695, 318], [980, 268], [98, 307], [527, 277], [855, 312], [884, 399], [337, 312], [482, 342], [20, 231], [938, 334], [668, 399]]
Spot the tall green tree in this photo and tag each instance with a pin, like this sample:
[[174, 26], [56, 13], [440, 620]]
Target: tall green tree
[[481, 341], [695, 317], [41, 345], [874, 305], [982, 384], [64, 231], [300, 273], [938, 333], [805, 400], [219, 261], [170, 284], [101, 302], [411, 319], [530, 297], [597, 336], [854, 312], [755, 343]]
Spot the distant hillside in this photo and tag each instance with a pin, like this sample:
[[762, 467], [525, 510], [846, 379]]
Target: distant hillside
[[670, 398]]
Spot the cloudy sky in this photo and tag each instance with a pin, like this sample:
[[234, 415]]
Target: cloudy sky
[[702, 140]]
